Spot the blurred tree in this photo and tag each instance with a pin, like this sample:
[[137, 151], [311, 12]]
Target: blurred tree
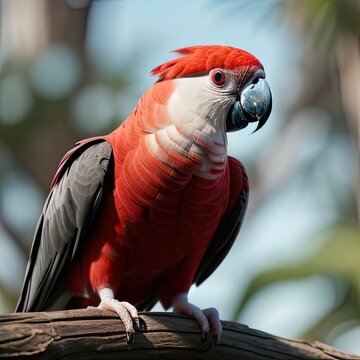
[[330, 32], [28, 28], [45, 81], [48, 124]]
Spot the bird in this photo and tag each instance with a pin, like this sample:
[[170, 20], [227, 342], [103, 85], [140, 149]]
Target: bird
[[141, 214]]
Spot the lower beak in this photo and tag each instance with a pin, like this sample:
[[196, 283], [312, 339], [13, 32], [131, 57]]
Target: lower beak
[[254, 105]]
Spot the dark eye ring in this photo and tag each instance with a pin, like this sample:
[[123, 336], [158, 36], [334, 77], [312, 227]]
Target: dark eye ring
[[218, 77]]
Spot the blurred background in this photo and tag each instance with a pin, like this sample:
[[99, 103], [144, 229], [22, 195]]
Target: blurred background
[[76, 68]]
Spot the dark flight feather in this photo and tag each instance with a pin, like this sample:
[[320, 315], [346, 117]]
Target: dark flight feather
[[223, 240], [64, 222]]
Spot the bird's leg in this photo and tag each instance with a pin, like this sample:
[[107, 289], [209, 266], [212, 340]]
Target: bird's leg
[[126, 312], [208, 318]]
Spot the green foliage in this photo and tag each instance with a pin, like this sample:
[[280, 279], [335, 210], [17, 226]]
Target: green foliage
[[324, 22], [323, 26], [338, 260]]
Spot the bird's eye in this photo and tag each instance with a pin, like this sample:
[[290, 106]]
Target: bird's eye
[[218, 77]]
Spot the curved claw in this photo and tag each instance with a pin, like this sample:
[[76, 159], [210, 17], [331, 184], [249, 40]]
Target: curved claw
[[142, 325], [127, 314], [208, 319], [215, 324], [130, 338]]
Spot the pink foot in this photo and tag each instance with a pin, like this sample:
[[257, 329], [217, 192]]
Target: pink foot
[[127, 314], [208, 319]]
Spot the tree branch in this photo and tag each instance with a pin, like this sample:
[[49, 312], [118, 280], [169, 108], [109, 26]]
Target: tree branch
[[95, 334]]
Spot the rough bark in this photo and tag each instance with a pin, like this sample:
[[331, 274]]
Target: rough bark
[[95, 334]]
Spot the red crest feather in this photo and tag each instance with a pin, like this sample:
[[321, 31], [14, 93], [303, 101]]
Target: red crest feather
[[200, 59]]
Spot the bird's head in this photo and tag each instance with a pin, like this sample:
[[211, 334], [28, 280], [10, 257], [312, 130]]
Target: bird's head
[[216, 89]]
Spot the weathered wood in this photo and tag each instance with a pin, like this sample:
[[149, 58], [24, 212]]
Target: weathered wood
[[95, 334]]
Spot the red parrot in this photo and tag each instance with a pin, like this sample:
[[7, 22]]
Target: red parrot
[[139, 215]]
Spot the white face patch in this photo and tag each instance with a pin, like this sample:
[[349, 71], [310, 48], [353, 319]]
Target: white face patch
[[198, 112], [195, 105]]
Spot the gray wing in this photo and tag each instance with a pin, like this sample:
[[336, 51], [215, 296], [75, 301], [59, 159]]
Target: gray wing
[[67, 215]]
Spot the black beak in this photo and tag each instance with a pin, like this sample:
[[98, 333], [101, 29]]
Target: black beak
[[254, 105]]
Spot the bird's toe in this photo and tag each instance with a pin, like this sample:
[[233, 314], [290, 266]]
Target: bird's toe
[[127, 314]]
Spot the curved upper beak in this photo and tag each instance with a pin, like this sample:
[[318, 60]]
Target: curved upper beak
[[254, 104]]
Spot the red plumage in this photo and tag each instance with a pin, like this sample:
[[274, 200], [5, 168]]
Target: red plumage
[[158, 220], [201, 59], [144, 212]]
